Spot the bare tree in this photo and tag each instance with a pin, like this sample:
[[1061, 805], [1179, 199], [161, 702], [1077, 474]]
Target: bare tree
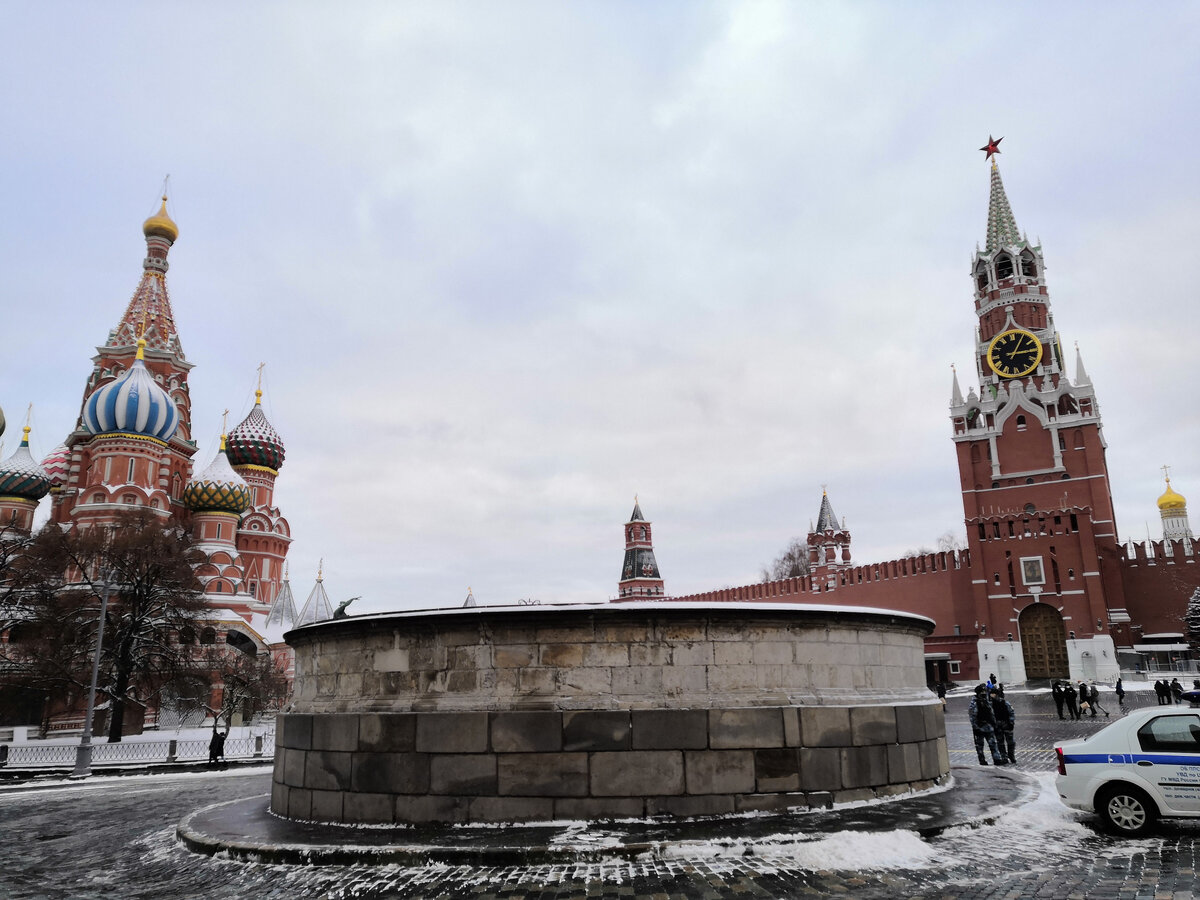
[[250, 684], [146, 566], [951, 541], [791, 563]]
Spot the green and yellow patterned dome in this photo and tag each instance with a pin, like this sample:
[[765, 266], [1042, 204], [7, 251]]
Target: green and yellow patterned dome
[[218, 488]]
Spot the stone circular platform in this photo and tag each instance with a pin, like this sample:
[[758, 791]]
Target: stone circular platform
[[627, 710], [246, 830]]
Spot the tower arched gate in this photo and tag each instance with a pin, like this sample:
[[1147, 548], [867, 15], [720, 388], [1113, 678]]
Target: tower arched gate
[[1044, 642]]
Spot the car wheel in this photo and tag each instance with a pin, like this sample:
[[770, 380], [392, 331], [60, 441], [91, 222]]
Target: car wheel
[[1125, 810]]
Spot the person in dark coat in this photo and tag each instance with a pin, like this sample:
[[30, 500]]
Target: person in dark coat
[[216, 746], [1162, 692], [1120, 692], [1176, 690], [1056, 691], [1069, 696], [983, 726], [1006, 721]]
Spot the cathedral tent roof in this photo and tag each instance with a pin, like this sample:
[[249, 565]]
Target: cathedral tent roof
[[316, 607], [282, 617]]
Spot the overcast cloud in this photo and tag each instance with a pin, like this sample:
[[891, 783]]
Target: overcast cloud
[[510, 263]]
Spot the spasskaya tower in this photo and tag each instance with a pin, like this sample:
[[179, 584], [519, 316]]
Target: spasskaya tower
[[1035, 485]]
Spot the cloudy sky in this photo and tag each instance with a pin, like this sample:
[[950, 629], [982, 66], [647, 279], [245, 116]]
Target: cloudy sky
[[510, 263]]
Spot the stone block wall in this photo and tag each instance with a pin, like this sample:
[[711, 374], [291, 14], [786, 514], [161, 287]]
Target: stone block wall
[[617, 656], [532, 765]]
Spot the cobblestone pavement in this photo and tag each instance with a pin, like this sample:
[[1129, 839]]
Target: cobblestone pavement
[[115, 837]]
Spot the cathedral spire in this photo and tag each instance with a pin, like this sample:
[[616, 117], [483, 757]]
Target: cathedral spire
[[149, 312], [1001, 225]]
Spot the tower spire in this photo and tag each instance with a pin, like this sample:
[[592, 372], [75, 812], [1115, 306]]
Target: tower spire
[[1002, 228], [956, 397], [1081, 375]]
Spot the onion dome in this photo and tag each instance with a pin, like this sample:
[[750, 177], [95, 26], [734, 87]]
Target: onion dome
[[218, 488], [161, 225], [56, 465], [1171, 499], [132, 404], [21, 476], [255, 442]]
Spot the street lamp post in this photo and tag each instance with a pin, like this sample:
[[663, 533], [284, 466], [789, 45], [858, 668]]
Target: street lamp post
[[83, 753]]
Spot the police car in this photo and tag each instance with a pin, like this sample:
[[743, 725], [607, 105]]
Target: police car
[[1141, 767]]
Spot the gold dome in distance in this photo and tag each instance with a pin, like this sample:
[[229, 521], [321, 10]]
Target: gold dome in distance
[[161, 225], [1171, 499]]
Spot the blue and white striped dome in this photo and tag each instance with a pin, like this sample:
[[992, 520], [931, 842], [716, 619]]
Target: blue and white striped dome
[[132, 404]]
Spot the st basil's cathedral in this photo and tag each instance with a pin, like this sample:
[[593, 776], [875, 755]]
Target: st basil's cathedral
[[133, 447]]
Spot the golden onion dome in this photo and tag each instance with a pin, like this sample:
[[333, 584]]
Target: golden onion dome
[[161, 225], [1171, 499]]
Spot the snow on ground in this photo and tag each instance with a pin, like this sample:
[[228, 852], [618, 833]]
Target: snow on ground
[[98, 782], [836, 851]]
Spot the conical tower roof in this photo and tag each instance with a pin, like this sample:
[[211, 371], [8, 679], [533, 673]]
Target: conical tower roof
[[825, 518], [149, 312], [317, 607], [956, 397], [282, 615], [1001, 225], [636, 515]]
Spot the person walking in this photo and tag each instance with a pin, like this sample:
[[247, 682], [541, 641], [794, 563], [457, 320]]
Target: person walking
[[216, 746], [983, 726], [1006, 720], [1056, 692], [1176, 690], [1069, 696], [1120, 692], [1163, 692], [1094, 700]]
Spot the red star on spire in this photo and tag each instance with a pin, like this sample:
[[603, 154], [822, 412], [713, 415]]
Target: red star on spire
[[992, 146]]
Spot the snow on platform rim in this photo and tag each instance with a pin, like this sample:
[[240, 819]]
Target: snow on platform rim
[[658, 606]]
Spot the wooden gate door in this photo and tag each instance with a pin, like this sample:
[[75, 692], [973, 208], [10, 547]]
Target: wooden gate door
[[1044, 642]]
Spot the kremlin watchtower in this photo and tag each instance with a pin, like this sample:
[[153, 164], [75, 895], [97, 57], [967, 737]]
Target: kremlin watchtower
[[640, 577], [1031, 459], [828, 547]]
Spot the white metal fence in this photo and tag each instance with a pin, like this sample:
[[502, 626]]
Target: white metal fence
[[123, 753]]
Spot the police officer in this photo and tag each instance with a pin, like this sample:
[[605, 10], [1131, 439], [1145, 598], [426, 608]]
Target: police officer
[[983, 726]]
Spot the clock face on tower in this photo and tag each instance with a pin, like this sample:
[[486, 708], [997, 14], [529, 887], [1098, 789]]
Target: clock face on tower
[[1015, 353]]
